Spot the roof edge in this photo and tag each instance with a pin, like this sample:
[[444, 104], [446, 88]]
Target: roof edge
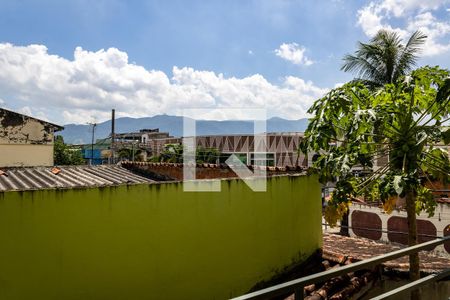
[[55, 126]]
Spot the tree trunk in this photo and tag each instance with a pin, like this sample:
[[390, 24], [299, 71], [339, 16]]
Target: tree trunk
[[344, 225], [414, 268]]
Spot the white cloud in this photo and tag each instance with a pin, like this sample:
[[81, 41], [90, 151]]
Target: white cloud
[[86, 88], [415, 14], [34, 112], [294, 53], [26, 110], [370, 19], [434, 29], [399, 7]]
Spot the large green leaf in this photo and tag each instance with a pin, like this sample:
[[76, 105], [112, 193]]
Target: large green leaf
[[398, 184], [446, 136], [443, 93]]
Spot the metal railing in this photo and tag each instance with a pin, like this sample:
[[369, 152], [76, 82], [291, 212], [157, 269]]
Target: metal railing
[[296, 286], [353, 228]]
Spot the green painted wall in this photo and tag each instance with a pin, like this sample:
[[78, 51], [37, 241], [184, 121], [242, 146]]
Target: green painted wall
[[154, 241]]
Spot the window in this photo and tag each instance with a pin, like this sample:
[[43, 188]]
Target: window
[[260, 159], [242, 157]]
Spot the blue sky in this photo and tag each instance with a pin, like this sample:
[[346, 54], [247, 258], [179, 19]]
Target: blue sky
[[163, 56]]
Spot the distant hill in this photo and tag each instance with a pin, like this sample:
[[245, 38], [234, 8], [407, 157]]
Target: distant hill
[[81, 134]]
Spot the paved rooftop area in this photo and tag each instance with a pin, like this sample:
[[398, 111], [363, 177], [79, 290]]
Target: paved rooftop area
[[337, 247]]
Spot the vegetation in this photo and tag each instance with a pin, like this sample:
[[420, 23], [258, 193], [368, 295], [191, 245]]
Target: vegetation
[[64, 155], [382, 61], [207, 155], [385, 59], [127, 153], [354, 126], [386, 114], [173, 153]]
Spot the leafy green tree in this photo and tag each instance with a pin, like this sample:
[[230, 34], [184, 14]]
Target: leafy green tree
[[207, 155], [125, 153], [173, 153], [356, 126], [128, 153], [384, 59], [64, 155], [381, 61]]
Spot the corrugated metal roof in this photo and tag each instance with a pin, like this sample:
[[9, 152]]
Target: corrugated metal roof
[[36, 178]]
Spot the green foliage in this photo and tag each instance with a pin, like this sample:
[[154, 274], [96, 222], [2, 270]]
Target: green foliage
[[207, 155], [384, 59], [127, 153], [173, 153], [387, 112], [335, 211], [354, 125], [446, 136], [436, 163], [425, 201], [124, 153], [155, 158], [372, 193], [63, 155]]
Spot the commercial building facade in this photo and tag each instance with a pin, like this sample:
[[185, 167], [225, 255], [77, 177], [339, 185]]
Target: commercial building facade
[[279, 149]]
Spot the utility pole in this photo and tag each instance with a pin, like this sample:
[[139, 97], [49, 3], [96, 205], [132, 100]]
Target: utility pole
[[132, 151], [92, 142], [113, 120]]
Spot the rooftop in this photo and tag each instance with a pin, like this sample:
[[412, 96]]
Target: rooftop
[[341, 249], [128, 173], [4, 112], [66, 177]]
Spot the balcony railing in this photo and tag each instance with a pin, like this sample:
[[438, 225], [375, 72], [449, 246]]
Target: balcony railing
[[296, 286]]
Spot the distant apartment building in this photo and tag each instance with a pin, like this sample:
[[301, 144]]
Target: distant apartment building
[[142, 136], [25, 141], [279, 149]]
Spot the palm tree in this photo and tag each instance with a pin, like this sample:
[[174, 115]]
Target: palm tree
[[385, 58]]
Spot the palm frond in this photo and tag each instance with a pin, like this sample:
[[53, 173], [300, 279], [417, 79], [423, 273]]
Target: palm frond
[[408, 57], [384, 59], [363, 67]]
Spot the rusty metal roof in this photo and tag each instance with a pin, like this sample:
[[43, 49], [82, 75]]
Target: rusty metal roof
[[6, 112], [66, 177]]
